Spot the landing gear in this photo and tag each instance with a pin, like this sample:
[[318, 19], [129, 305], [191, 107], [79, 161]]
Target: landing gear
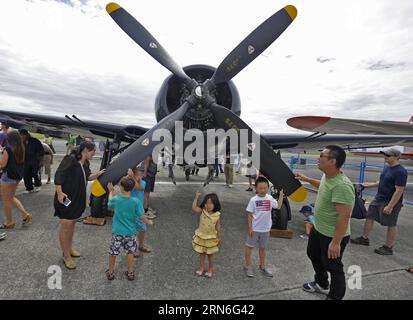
[[210, 175], [280, 218], [98, 205]]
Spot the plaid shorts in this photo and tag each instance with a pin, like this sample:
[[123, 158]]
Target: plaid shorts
[[118, 242]]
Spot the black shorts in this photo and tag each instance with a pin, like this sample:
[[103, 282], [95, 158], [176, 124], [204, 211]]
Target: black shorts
[[375, 212]]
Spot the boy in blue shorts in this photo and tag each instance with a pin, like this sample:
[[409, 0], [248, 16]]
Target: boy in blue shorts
[[127, 211], [138, 193]]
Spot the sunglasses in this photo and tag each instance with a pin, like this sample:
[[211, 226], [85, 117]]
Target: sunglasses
[[325, 156]]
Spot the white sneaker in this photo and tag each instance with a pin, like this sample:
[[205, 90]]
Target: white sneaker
[[150, 215], [230, 186], [28, 191], [151, 210], [37, 189]]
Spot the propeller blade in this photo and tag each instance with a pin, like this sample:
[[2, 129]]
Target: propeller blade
[[271, 164], [254, 44], [144, 39], [135, 153]]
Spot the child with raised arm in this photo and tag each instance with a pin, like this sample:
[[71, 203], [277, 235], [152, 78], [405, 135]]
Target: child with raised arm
[[259, 224], [207, 237], [127, 212], [138, 192]]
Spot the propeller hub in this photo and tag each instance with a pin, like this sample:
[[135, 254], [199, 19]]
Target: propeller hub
[[198, 91]]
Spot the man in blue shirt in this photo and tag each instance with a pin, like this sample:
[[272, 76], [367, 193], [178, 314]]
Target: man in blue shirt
[[387, 203]]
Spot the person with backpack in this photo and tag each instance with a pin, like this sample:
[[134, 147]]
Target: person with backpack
[[12, 163], [34, 153]]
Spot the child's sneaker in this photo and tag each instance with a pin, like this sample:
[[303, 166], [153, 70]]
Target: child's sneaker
[[248, 272], [110, 275], [150, 215], [314, 287], [266, 272]]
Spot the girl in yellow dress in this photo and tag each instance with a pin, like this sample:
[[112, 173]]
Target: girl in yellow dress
[[207, 237]]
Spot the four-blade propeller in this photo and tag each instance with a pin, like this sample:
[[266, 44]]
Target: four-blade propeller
[[271, 165]]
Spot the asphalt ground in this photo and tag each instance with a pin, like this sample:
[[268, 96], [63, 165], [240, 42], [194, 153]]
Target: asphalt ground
[[168, 272]]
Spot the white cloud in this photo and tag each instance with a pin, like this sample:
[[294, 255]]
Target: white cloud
[[60, 55]]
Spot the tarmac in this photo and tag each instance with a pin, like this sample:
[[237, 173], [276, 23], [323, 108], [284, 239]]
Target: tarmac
[[168, 272]]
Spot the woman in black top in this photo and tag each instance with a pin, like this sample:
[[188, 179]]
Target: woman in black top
[[12, 162], [71, 183]]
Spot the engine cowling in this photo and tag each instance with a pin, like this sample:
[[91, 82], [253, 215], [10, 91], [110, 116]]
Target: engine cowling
[[173, 92]]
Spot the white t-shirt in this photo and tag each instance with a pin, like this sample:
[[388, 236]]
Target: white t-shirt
[[260, 207]]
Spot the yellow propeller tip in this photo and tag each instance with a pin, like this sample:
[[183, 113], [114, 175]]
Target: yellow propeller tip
[[299, 195], [110, 7], [291, 10], [97, 189]]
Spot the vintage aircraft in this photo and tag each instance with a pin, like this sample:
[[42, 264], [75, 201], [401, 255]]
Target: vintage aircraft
[[319, 124], [337, 125], [202, 97]]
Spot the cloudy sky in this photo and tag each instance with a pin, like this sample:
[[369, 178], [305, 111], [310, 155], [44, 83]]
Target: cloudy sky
[[349, 59]]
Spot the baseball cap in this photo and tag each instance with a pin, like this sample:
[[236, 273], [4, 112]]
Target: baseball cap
[[306, 209], [391, 152]]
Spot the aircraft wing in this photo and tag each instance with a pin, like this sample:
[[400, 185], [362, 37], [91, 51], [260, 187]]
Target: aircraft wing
[[308, 141], [60, 127], [350, 126]]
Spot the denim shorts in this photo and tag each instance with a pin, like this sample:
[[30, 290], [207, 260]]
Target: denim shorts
[[140, 226], [5, 179]]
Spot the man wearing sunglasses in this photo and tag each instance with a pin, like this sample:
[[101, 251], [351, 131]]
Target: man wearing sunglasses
[[387, 203], [331, 232]]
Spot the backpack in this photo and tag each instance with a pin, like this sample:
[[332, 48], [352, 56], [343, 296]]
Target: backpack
[[359, 209]]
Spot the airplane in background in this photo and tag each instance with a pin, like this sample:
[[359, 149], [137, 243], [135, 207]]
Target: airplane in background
[[350, 126], [320, 124]]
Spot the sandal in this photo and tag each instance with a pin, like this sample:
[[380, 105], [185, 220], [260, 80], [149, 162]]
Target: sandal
[[74, 253], [130, 275], [145, 249], [7, 226], [137, 254], [28, 219], [409, 270], [110, 275], [69, 264]]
